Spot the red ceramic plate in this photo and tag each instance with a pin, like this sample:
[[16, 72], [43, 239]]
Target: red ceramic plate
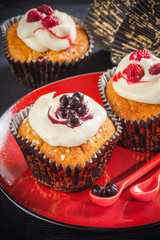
[[72, 209]]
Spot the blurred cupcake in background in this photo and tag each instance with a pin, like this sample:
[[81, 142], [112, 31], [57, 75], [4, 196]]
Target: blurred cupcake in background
[[139, 30], [132, 93], [44, 45], [122, 27], [104, 19]]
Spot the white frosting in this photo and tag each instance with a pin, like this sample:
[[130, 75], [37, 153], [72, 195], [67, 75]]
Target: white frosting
[[59, 134], [147, 90], [41, 40]]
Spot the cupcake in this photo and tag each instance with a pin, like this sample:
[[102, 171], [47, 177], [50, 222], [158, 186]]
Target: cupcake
[[132, 93], [139, 30], [67, 140], [44, 45], [104, 19]]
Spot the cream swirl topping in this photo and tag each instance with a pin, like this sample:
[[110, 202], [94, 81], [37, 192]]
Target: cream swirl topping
[[41, 38], [137, 77], [59, 134]]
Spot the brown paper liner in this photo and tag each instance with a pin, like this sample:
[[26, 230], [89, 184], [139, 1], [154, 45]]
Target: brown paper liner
[[143, 136], [56, 177], [42, 72], [104, 19], [139, 30]]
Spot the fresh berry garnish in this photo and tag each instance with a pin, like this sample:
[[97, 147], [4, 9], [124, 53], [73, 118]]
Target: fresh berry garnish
[[155, 69], [45, 9], [111, 189], [64, 100], [72, 110], [133, 73], [73, 102], [50, 21], [138, 55], [82, 109], [69, 111], [62, 112], [104, 193], [73, 120], [34, 16], [97, 190], [79, 95]]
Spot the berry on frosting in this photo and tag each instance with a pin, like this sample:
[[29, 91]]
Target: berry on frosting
[[82, 109], [45, 9], [155, 69], [133, 73], [64, 100], [50, 21], [138, 55], [62, 112], [79, 95], [73, 120], [72, 109], [73, 102], [34, 16], [68, 107]]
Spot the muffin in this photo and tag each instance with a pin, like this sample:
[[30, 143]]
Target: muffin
[[66, 140], [132, 92], [44, 45]]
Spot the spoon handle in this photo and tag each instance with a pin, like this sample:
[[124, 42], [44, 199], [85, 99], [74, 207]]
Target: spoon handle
[[140, 172]]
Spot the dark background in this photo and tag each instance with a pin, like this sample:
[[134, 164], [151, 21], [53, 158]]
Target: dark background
[[14, 222]]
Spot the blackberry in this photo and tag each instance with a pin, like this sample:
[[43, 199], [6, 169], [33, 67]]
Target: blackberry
[[79, 95], [82, 109], [73, 120], [97, 190], [62, 112], [73, 102], [64, 100], [69, 111], [111, 189]]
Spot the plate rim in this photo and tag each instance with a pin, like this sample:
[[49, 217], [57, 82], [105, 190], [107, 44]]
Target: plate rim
[[74, 226], [34, 90], [50, 220]]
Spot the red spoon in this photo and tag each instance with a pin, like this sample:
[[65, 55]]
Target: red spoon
[[107, 201], [148, 189]]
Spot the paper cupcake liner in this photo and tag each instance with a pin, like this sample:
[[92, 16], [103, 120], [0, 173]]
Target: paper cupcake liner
[[56, 177], [143, 136], [104, 19], [42, 72], [139, 30]]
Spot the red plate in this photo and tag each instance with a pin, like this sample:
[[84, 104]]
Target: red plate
[[71, 209]]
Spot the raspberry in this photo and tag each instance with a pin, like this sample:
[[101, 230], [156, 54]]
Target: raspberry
[[50, 21], [45, 9], [133, 73], [138, 55], [34, 16], [155, 69]]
